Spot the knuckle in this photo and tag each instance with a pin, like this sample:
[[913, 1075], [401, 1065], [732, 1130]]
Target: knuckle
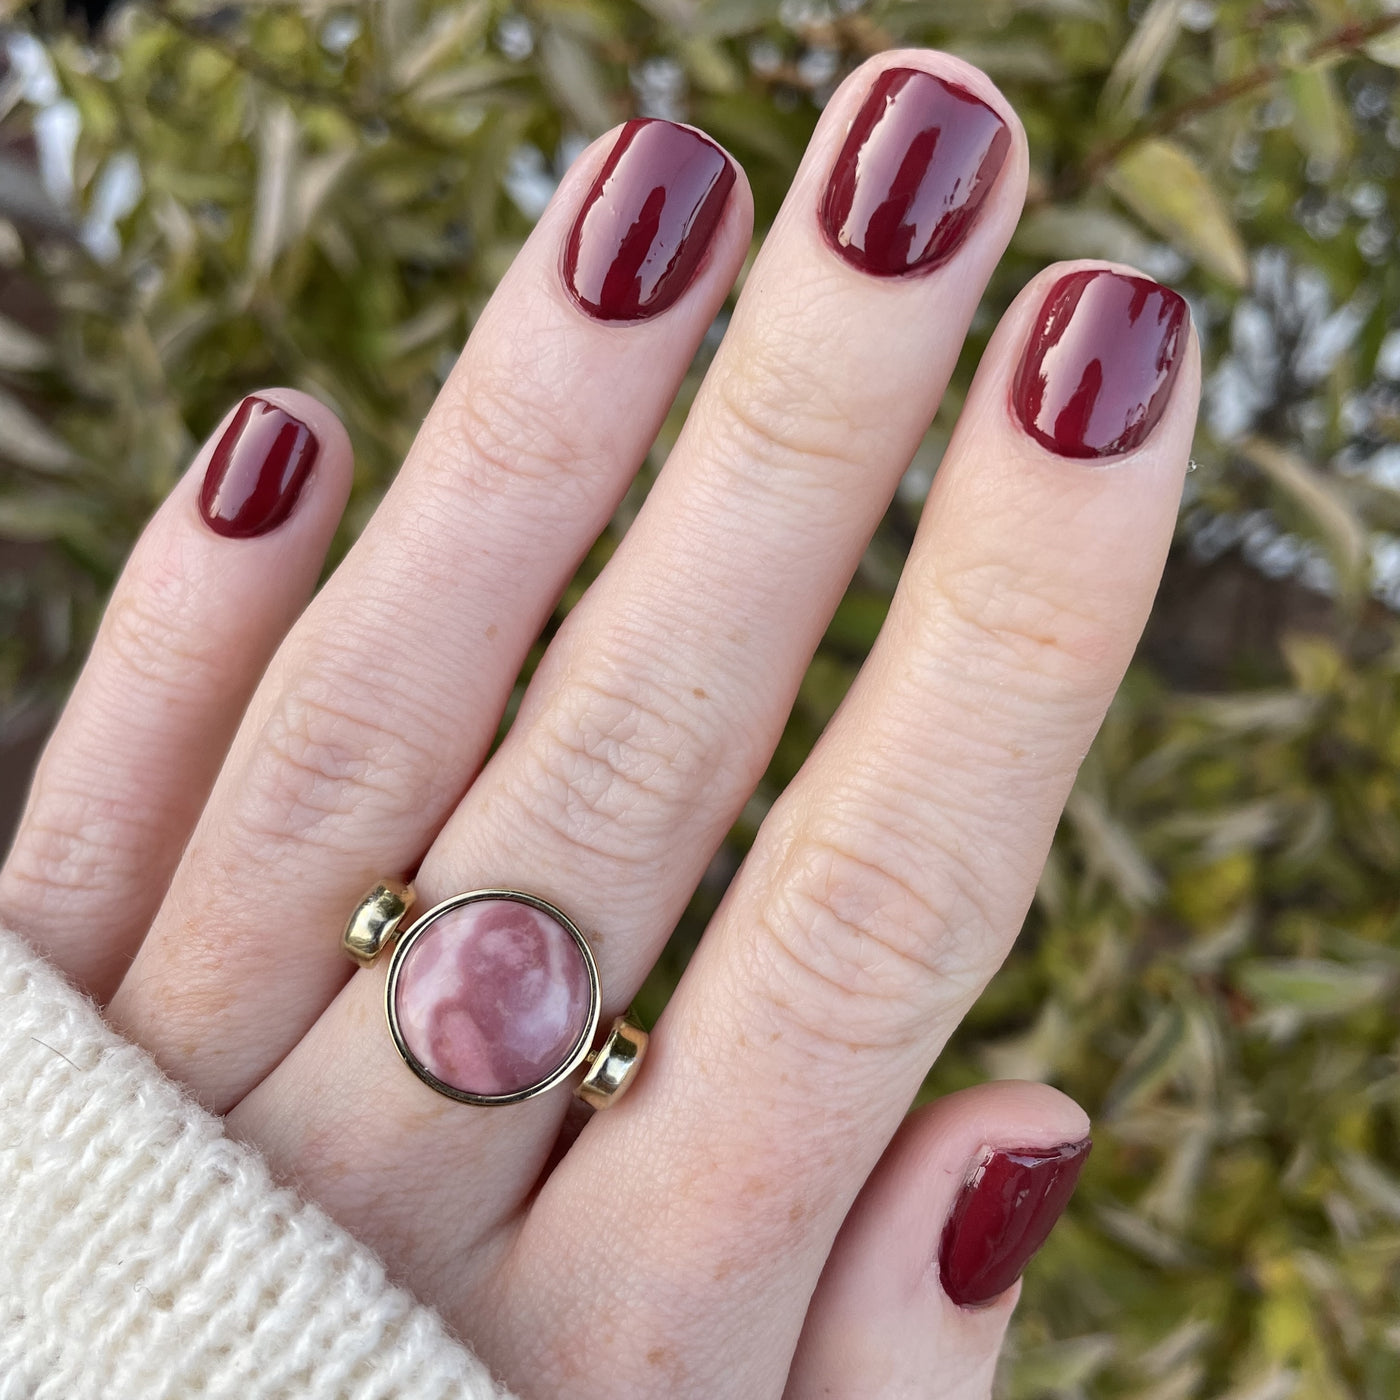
[[1006, 627], [327, 750], [65, 847], [154, 627], [617, 766], [869, 937], [775, 416], [501, 435]]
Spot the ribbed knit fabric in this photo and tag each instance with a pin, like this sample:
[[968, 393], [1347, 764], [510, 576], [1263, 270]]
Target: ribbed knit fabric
[[145, 1256]]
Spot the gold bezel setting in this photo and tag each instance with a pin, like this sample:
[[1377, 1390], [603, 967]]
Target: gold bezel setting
[[612, 1067]]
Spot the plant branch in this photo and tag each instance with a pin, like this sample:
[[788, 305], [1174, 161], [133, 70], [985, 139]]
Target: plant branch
[[1348, 39]]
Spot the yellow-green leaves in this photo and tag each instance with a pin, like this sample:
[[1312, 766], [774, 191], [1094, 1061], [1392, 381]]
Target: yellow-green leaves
[[1160, 181], [21, 349], [1321, 122], [1385, 48], [330, 190], [27, 442], [1128, 87], [1292, 991]]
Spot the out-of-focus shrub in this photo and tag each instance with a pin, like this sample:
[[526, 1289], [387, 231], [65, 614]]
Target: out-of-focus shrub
[[200, 200]]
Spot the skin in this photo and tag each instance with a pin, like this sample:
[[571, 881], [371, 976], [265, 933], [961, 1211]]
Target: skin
[[236, 766]]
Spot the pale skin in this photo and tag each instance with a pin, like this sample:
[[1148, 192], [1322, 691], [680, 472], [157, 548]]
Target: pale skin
[[758, 1217]]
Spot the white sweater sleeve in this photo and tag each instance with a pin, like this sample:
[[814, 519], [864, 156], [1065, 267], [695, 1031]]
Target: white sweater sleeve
[[146, 1256]]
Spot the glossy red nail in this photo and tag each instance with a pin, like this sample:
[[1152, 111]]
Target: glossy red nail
[[644, 227], [257, 470], [921, 157], [1098, 369], [1004, 1214]]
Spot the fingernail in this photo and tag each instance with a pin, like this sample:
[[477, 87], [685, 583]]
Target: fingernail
[[644, 227], [1005, 1212], [257, 470], [1098, 369], [921, 157]]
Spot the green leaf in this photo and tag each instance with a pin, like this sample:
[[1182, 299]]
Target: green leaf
[[1154, 1058], [1313, 987], [450, 31], [1376, 1187], [1323, 502], [27, 442], [36, 518], [858, 620], [1128, 87], [1385, 48], [20, 349], [280, 138], [577, 80], [710, 66], [1321, 122], [1316, 664], [1110, 850], [1011, 60], [1060, 1368], [1161, 183], [1274, 1383], [1143, 1238]]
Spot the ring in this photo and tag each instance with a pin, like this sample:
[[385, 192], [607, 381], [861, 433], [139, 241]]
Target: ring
[[492, 996]]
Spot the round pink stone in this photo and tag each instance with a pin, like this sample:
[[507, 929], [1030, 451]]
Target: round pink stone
[[492, 997]]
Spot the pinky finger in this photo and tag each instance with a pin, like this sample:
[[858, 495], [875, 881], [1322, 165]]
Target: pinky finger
[[210, 590], [921, 1283]]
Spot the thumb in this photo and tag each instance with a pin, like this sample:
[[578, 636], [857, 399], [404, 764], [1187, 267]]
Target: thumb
[[922, 1280]]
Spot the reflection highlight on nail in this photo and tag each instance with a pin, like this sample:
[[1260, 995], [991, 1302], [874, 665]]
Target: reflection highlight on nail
[[1098, 368], [1004, 1213], [921, 157], [646, 222]]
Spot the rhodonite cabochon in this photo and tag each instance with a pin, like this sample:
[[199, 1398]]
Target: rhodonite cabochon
[[493, 997]]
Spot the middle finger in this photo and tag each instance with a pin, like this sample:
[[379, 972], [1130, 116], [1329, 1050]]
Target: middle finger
[[659, 703]]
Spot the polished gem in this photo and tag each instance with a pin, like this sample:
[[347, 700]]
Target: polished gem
[[493, 996]]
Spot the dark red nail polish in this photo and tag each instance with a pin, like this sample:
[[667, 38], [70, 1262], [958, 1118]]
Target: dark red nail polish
[[1099, 366], [1004, 1214], [647, 221], [921, 157], [257, 470]]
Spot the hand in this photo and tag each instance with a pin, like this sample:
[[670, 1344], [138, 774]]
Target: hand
[[236, 766]]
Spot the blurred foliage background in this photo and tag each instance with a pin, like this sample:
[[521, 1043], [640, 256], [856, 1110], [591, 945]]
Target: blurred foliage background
[[197, 200]]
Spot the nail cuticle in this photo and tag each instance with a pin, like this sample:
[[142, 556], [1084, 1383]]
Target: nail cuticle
[[1003, 1214]]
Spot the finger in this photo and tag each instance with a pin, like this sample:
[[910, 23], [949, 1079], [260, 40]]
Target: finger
[[914, 1299], [658, 705], [389, 692], [211, 588], [889, 881]]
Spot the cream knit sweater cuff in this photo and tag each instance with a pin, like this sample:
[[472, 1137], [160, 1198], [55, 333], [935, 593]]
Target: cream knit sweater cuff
[[145, 1256]]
